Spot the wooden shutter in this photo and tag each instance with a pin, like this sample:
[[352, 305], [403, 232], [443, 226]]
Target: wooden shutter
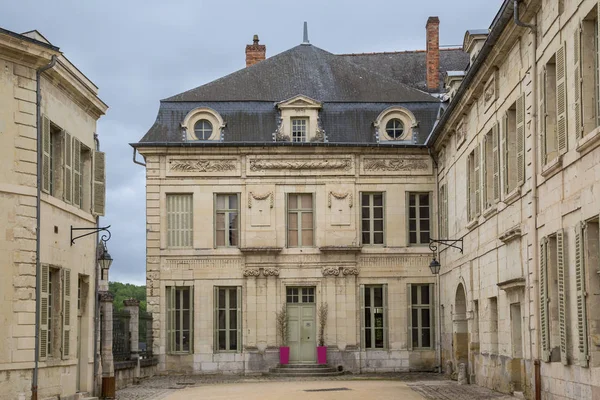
[[477, 173], [216, 319], [362, 316], [191, 313], [520, 122], [470, 177], [76, 172], [577, 80], [239, 319], [505, 153], [544, 322], [562, 295], [44, 292], [561, 100], [432, 315], [180, 220], [581, 297], [384, 293], [66, 326], [45, 154], [409, 339], [496, 161], [543, 114], [98, 199], [68, 167], [169, 316]]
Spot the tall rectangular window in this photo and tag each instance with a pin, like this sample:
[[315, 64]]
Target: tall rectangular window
[[227, 220], [179, 303], [421, 313], [493, 324], [56, 160], [443, 211], [586, 105], [300, 220], [553, 104], [548, 117], [299, 128], [510, 149], [228, 318], [372, 218], [474, 184], [179, 220], [491, 165], [419, 218], [373, 316]]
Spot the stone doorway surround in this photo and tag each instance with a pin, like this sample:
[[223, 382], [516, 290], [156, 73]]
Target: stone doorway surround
[[301, 310], [460, 328]]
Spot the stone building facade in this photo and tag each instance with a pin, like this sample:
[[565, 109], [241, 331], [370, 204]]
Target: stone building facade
[[299, 181], [71, 194], [518, 169]]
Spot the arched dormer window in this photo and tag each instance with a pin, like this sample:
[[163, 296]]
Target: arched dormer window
[[395, 124], [203, 124]]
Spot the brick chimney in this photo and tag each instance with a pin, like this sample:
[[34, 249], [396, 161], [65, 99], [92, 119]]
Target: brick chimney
[[433, 53], [255, 52]]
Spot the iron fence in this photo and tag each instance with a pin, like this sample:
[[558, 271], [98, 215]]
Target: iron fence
[[121, 336]]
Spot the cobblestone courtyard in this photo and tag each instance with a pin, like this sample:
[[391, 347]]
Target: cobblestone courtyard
[[424, 386]]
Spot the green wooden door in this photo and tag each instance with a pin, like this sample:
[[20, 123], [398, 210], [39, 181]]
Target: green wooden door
[[302, 337]]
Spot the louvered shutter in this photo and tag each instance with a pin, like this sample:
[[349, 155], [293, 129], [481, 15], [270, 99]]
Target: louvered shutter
[[477, 173], [362, 316], [46, 154], [432, 300], [66, 326], [544, 322], [577, 81], [581, 297], [384, 291], [520, 122], [68, 168], [43, 313], [76, 172], [170, 301], [496, 161], [542, 113], [562, 295], [483, 167], [239, 319], [216, 318], [561, 100], [470, 186], [409, 335], [99, 196], [505, 152]]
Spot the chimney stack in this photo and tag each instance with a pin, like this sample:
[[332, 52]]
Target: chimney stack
[[433, 53], [255, 52]]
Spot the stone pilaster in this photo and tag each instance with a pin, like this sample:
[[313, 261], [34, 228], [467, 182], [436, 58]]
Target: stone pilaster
[[133, 306], [106, 344]]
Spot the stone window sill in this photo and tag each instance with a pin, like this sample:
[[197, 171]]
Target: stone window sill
[[589, 142], [472, 224], [513, 195], [552, 167], [490, 211]]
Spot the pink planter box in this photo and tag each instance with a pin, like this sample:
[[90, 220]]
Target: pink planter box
[[322, 354], [284, 355]]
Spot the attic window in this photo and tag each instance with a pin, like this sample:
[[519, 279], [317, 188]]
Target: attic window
[[203, 124], [395, 124], [299, 129], [394, 128]]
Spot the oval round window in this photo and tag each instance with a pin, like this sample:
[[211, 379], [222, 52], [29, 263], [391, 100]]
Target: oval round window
[[394, 128], [203, 129]]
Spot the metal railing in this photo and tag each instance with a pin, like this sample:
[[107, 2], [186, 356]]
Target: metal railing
[[121, 336]]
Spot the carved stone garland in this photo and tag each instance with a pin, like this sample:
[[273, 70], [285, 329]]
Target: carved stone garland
[[203, 165], [376, 164], [249, 272], [260, 165], [251, 196], [340, 196], [330, 271]]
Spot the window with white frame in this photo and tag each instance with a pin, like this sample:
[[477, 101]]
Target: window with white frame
[[227, 220], [179, 304], [55, 312], [372, 218], [203, 129], [491, 166], [228, 319], [179, 220], [553, 107], [299, 129], [419, 218], [421, 315], [474, 184], [300, 221], [374, 316]]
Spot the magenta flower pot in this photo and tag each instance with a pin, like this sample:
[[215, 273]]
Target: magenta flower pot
[[322, 354], [284, 355]]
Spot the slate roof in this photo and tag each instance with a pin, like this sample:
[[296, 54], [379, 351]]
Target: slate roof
[[307, 70], [409, 67]]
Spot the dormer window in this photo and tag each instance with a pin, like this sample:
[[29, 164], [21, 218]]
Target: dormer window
[[299, 127], [203, 124], [394, 128], [203, 129], [395, 124]]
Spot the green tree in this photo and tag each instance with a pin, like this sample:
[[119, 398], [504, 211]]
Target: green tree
[[124, 291]]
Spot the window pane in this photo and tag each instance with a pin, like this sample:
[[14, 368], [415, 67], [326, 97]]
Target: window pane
[[367, 317], [178, 319], [366, 238], [222, 315], [414, 292], [232, 298], [425, 322], [423, 199], [232, 202], [307, 201], [220, 221], [186, 341], [222, 340], [412, 225], [233, 340], [220, 238], [368, 338], [415, 317], [221, 298], [186, 299], [412, 212], [186, 321], [293, 238], [424, 237], [368, 297], [293, 221], [378, 225], [365, 199], [220, 202], [232, 319], [415, 337], [378, 200], [307, 237], [365, 212], [378, 238], [378, 212], [292, 201], [379, 338], [366, 225], [307, 220], [426, 337], [424, 294], [233, 238], [424, 224], [378, 297], [411, 200], [423, 212], [413, 237]]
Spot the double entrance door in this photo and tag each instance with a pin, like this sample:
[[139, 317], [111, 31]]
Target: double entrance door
[[302, 329]]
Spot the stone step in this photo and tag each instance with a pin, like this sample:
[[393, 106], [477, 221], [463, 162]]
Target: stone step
[[303, 370], [307, 374], [303, 366], [288, 371]]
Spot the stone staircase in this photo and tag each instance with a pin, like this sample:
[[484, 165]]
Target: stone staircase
[[302, 370]]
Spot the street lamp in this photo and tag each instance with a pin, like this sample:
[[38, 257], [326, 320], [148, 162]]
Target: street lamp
[[435, 266], [104, 258]]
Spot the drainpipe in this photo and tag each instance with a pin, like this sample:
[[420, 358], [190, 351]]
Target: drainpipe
[[97, 333], [136, 161], [532, 230], [38, 288]]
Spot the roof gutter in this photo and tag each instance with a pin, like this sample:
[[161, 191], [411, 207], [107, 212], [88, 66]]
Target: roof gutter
[[272, 144], [502, 19]]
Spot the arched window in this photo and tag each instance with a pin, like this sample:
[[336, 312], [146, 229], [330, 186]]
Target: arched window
[[394, 128], [203, 129]]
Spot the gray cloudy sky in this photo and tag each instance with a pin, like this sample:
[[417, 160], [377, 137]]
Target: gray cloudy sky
[[139, 52]]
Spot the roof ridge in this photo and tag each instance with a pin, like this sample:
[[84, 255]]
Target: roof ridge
[[396, 52]]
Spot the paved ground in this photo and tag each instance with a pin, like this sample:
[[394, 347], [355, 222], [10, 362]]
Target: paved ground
[[409, 386]]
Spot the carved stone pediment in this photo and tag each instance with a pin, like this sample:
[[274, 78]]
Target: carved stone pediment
[[299, 101]]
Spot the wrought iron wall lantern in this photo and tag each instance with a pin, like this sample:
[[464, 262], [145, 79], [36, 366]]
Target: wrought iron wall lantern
[[103, 256], [105, 237], [435, 264]]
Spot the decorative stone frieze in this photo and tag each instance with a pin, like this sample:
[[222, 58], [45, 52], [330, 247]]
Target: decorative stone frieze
[[330, 271], [335, 164], [251, 272], [399, 164], [202, 165], [350, 271], [270, 272], [187, 264], [340, 196]]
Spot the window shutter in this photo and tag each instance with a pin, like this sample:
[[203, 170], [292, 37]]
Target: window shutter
[[469, 189], [544, 322], [561, 100], [68, 168], [581, 298], [542, 113], [477, 173], [504, 146], [45, 154], [384, 291], [362, 316], [409, 339], [191, 320], [239, 319], [76, 172], [496, 160], [216, 319], [562, 296], [43, 333], [66, 327], [577, 106], [520, 122], [484, 170], [432, 300], [169, 308], [99, 183]]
